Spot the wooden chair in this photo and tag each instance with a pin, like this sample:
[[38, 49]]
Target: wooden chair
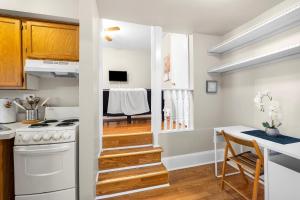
[[246, 161]]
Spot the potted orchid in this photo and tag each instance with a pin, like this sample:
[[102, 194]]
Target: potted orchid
[[271, 127]]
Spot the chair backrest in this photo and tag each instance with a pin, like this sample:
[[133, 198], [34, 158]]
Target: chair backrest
[[249, 143]]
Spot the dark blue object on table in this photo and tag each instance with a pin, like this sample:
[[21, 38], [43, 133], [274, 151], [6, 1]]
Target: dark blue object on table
[[281, 139]]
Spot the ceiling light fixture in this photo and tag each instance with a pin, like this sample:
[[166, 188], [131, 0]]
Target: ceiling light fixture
[[107, 36]]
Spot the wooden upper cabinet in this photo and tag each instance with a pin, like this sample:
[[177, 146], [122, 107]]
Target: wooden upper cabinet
[[11, 68], [52, 41]]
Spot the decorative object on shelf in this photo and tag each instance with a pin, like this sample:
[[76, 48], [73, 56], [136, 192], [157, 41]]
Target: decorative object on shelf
[[211, 86], [274, 112]]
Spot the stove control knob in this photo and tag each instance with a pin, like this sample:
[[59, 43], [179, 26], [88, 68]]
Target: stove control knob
[[25, 138], [66, 136], [46, 137], [57, 136], [37, 137]]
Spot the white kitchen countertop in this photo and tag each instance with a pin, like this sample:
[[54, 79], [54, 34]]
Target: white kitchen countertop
[[5, 135]]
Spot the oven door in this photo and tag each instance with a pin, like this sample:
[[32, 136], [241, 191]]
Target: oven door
[[44, 168]]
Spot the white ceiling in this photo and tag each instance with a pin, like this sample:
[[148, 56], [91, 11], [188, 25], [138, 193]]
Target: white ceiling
[[131, 36], [203, 16]]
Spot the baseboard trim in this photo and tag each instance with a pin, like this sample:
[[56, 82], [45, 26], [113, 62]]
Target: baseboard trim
[[131, 191], [191, 160]]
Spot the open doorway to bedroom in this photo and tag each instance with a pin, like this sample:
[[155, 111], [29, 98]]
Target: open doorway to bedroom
[[130, 151], [127, 77]]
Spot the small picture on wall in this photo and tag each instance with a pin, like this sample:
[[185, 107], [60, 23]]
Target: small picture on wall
[[211, 86]]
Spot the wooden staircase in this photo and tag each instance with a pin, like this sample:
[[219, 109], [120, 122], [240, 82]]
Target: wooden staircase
[[129, 163]]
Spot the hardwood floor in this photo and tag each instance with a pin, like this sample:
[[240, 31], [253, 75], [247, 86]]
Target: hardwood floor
[[197, 183]]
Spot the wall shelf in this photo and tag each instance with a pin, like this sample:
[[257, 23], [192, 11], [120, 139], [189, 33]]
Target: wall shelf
[[274, 55], [268, 27]]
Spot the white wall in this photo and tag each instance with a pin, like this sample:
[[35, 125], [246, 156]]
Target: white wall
[[234, 102], [137, 63], [281, 78], [207, 107], [89, 97], [176, 46], [62, 91], [180, 60]]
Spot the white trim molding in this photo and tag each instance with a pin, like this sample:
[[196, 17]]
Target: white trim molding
[[156, 74], [191, 160]]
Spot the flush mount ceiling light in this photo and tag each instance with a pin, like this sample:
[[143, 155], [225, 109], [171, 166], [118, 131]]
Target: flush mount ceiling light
[[107, 32]]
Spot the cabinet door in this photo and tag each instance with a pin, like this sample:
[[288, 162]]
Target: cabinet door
[[11, 68], [6, 170], [52, 41]]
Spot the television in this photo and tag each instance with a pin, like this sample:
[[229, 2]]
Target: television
[[118, 76]]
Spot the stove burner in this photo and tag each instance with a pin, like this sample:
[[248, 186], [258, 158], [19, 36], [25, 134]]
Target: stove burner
[[50, 121], [64, 124], [39, 125], [70, 120]]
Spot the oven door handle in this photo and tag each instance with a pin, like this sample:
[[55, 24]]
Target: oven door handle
[[43, 151]]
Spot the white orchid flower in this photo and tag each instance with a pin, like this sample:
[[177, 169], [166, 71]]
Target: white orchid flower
[[265, 93], [274, 107]]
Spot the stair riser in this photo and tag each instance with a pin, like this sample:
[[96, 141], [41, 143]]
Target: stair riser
[[127, 161], [126, 140], [133, 184]]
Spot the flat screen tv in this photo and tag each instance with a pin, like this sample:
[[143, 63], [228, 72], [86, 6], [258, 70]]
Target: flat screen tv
[[118, 76]]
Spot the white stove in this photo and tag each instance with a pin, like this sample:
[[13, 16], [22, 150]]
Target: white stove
[[45, 155], [48, 132]]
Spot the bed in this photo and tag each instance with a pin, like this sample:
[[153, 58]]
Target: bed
[[120, 116]]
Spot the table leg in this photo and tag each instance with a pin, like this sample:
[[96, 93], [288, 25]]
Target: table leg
[[216, 155], [266, 175], [129, 119]]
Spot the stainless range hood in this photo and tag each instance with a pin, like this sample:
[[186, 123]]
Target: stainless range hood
[[51, 68]]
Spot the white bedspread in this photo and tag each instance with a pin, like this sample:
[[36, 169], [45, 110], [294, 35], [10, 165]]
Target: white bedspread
[[128, 101]]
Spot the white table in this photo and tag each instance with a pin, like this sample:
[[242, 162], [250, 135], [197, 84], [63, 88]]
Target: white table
[[291, 150]]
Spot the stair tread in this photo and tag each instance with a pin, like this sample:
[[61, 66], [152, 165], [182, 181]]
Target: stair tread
[[124, 152], [131, 173], [118, 134]]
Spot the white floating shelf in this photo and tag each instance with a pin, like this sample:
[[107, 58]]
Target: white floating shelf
[[286, 18], [275, 55]]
